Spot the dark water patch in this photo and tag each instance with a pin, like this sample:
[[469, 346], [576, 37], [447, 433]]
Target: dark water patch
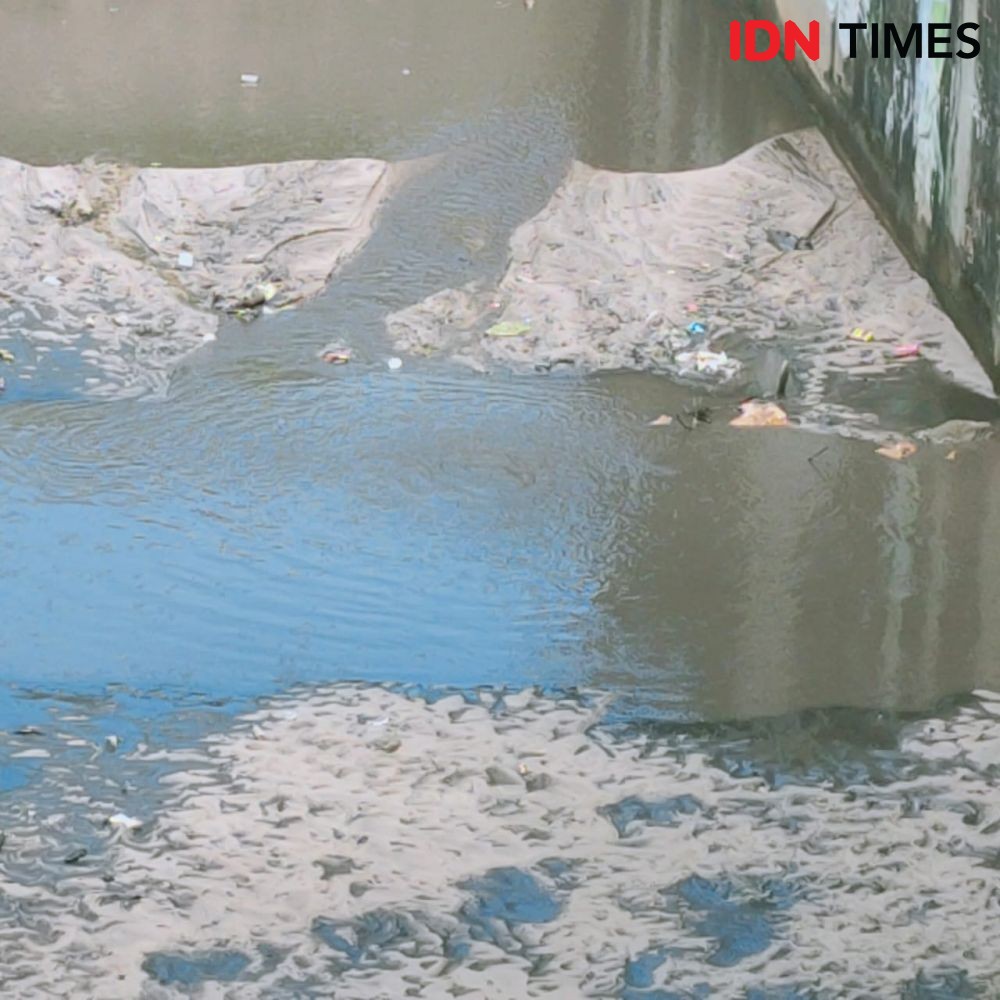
[[367, 939], [842, 747], [509, 895], [741, 918], [663, 812], [639, 971], [194, 969], [915, 397], [943, 984]]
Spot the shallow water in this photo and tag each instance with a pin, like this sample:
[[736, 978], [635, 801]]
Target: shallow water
[[274, 520], [277, 520]]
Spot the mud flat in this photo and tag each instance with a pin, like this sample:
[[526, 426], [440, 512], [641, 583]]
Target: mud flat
[[773, 256], [117, 272], [358, 842]]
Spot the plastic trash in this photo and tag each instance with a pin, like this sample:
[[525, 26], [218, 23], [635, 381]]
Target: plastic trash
[[122, 821], [707, 363], [185, 259], [249, 79], [52, 280], [394, 364], [663, 420], [508, 329], [696, 329], [898, 450], [6, 356], [954, 432], [906, 351], [112, 743], [859, 333], [336, 356], [758, 413]]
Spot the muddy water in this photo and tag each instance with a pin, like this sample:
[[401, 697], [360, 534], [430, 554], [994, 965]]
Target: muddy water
[[274, 520]]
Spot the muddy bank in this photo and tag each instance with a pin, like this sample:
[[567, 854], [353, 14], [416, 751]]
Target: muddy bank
[[721, 275], [358, 841], [116, 273]]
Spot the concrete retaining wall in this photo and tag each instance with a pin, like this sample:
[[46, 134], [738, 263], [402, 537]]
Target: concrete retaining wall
[[924, 137]]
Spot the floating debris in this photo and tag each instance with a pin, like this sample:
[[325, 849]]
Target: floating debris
[[508, 329], [663, 420], [75, 856], [249, 79], [185, 259], [122, 821], [897, 451], [706, 363], [859, 333], [336, 356], [758, 413], [6, 356], [394, 364], [906, 351]]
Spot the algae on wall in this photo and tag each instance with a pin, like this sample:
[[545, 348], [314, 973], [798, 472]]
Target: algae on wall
[[923, 135]]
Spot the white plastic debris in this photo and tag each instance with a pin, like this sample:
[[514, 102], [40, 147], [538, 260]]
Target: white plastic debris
[[394, 364], [716, 363], [122, 821], [51, 279], [111, 743], [185, 259], [249, 79]]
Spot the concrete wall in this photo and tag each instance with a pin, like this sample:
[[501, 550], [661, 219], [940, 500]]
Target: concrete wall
[[924, 137]]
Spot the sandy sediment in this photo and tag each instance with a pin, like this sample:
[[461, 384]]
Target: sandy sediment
[[130, 269], [774, 253], [359, 843]]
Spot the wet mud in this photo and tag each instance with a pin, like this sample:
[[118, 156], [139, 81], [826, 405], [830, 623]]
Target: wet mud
[[357, 841], [118, 273], [769, 273]]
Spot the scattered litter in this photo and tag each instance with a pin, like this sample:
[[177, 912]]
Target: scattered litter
[[757, 413], [696, 329], [249, 79], [122, 821], [865, 336], [74, 856], [384, 721], [951, 456], [6, 356], [781, 239], [112, 743], [336, 356], [664, 420], [692, 307], [906, 351], [508, 329], [522, 769], [185, 259], [898, 451], [706, 363], [28, 731], [52, 280], [954, 432], [406, 71], [394, 364]]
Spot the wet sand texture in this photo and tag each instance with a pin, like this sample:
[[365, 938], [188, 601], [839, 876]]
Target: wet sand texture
[[130, 269], [358, 843], [618, 265]]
